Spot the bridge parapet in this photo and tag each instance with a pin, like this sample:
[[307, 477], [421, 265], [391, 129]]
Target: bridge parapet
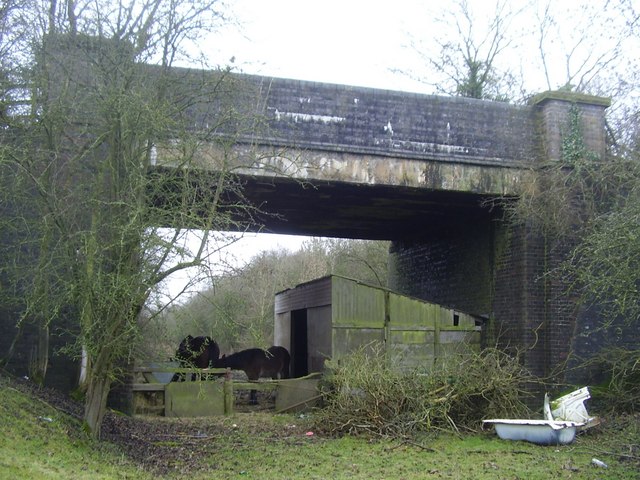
[[360, 120], [326, 132], [317, 131], [554, 117]]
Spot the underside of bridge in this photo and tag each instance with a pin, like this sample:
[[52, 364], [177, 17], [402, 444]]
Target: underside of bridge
[[349, 210]]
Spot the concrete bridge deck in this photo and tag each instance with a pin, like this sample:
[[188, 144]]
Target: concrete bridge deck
[[335, 160]]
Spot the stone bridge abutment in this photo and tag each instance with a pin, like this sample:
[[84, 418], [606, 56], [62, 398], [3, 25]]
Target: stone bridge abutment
[[491, 267]]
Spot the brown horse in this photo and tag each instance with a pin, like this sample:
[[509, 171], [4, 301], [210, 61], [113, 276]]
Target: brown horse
[[196, 352], [258, 363]]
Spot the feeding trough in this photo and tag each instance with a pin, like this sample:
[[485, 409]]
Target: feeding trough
[[542, 432], [563, 419]]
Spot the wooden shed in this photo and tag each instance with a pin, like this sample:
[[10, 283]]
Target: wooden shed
[[332, 316]]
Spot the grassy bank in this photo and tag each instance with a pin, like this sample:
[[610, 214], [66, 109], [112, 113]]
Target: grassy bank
[[39, 441]]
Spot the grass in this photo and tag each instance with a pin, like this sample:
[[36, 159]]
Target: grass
[[482, 456], [39, 442]]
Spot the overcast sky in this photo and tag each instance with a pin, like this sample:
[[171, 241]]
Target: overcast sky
[[347, 42], [360, 42]]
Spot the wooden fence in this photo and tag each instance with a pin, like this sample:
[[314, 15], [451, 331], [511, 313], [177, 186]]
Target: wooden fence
[[211, 391]]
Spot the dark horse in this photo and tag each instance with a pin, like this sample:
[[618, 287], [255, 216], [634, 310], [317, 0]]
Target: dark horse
[[196, 352], [258, 363]]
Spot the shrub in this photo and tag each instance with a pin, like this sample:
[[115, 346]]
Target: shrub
[[365, 392], [621, 392]]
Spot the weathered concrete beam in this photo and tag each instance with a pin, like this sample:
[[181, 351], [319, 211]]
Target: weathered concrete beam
[[312, 166]]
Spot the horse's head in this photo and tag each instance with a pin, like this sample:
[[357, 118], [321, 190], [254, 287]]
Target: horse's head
[[214, 349]]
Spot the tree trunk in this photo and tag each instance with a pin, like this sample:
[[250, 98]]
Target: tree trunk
[[39, 360], [95, 404]]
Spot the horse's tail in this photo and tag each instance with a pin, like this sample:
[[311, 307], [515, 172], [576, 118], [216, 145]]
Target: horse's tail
[[285, 358]]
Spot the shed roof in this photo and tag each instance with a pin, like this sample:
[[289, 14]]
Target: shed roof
[[328, 280]]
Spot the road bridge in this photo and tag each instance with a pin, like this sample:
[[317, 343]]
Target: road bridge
[[420, 170], [352, 162]]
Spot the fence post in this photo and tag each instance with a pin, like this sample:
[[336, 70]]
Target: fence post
[[228, 393]]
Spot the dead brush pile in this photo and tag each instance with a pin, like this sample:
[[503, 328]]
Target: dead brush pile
[[621, 392], [366, 393]]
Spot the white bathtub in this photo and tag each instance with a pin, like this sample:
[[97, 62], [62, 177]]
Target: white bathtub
[[542, 432]]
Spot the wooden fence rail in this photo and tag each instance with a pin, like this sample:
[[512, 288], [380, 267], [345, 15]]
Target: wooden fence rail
[[211, 391]]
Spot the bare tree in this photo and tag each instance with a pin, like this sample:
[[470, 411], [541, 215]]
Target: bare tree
[[113, 153], [510, 50], [578, 45], [466, 49]]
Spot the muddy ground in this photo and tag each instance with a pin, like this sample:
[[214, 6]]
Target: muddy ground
[[165, 445]]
